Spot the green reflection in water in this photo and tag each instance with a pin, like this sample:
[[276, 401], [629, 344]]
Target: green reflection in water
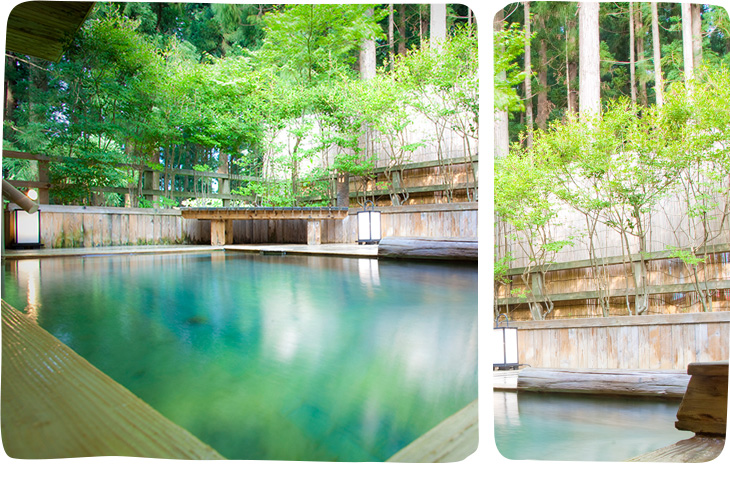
[[301, 358], [543, 426]]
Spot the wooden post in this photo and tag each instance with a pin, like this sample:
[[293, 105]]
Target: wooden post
[[314, 232], [704, 406], [43, 177], [221, 232]]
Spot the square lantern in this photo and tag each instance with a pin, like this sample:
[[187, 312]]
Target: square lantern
[[27, 229], [368, 225], [504, 348]]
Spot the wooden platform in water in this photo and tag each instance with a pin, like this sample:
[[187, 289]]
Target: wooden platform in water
[[55, 404], [452, 440]]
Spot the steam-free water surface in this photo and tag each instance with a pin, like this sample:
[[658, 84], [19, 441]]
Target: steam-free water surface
[[267, 357], [557, 426]]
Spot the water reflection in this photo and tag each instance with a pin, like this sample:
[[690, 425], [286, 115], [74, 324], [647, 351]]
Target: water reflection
[[28, 274], [538, 426], [264, 357]]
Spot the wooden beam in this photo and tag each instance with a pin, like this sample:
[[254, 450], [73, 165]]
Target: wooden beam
[[651, 290], [651, 383], [617, 260], [624, 321], [265, 213]]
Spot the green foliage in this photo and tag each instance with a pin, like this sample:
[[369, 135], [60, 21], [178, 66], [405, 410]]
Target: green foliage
[[509, 45]]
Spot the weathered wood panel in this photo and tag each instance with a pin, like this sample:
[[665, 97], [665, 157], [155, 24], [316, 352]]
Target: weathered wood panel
[[75, 226], [704, 408], [657, 342]]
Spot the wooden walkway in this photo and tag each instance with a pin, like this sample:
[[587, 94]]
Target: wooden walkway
[[55, 404], [452, 440]]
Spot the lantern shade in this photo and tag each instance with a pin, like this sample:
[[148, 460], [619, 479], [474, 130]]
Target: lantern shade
[[368, 226], [504, 348], [27, 229]]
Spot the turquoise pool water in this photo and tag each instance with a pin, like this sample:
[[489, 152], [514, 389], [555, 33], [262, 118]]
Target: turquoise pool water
[[542, 426], [266, 357]]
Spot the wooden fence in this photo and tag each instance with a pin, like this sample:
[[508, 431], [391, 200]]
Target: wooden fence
[[432, 181], [75, 226], [663, 342]]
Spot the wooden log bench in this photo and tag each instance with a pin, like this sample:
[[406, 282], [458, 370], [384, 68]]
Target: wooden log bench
[[651, 383], [221, 219], [465, 249]]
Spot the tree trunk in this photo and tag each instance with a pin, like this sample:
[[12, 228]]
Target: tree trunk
[[640, 58], [632, 55], [590, 73], [391, 43], [571, 69], [402, 29], [696, 34], [543, 106], [501, 118], [658, 82], [687, 43], [437, 32], [528, 75]]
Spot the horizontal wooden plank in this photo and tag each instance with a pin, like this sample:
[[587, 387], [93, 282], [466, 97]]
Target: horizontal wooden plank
[[653, 383], [26, 184], [452, 440], [651, 290], [423, 208], [617, 260], [697, 449], [264, 213], [626, 321]]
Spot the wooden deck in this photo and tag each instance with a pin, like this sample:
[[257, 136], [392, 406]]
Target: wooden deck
[[55, 404], [452, 440]]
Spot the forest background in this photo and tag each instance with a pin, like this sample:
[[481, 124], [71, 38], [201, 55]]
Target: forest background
[[210, 87], [612, 131]]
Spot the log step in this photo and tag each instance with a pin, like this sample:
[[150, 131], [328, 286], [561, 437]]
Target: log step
[[464, 249], [652, 383]]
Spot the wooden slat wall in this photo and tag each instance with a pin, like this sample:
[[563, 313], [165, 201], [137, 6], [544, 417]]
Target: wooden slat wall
[[666, 342], [74, 227]]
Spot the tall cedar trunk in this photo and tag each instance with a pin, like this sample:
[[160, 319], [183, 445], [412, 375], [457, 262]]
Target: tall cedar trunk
[[367, 72], [501, 118], [658, 81], [438, 23], [590, 73], [528, 75], [402, 29], [571, 69], [632, 55], [543, 106], [391, 43], [687, 43], [640, 57], [696, 34]]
